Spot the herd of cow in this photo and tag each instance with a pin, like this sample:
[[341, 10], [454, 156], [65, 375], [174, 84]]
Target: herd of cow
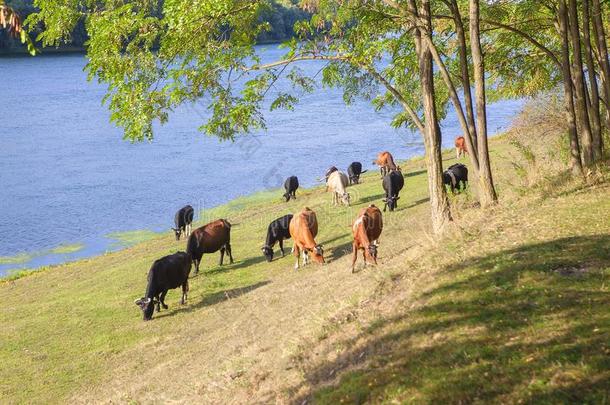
[[173, 271]]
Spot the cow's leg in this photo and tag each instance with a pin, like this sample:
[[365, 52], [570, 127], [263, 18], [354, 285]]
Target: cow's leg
[[281, 241], [158, 303], [197, 261], [297, 253], [185, 290], [364, 256], [222, 255], [162, 299], [228, 247], [305, 258], [354, 255]]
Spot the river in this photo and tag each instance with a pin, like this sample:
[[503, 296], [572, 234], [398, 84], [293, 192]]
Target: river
[[69, 180]]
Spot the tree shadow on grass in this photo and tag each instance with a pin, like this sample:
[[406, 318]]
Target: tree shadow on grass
[[237, 264], [337, 252], [527, 324], [415, 173], [372, 198], [213, 299]]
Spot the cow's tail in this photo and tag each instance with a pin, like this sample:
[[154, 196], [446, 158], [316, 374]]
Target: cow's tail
[[226, 223], [364, 171]]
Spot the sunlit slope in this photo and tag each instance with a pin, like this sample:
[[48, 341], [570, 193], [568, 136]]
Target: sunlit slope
[[262, 332]]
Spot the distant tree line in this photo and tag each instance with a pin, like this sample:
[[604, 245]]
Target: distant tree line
[[280, 17]]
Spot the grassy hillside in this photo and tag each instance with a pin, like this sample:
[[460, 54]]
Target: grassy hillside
[[512, 306]]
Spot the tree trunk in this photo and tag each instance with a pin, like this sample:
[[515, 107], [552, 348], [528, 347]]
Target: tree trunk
[[439, 203], [568, 99], [594, 115], [457, 104], [604, 63], [486, 186], [465, 75], [582, 113]]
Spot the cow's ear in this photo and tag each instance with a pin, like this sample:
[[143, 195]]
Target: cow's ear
[[398, 198], [384, 200], [142, 301]]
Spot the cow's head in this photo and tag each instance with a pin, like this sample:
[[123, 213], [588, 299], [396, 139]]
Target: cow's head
[[147, 306], [287, 196], [177, 232], [318, 254], [267, 252], [391, 202], [345, 198]]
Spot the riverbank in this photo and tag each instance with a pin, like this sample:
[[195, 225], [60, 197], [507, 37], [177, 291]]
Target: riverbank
[[510, 306], [96, 185]]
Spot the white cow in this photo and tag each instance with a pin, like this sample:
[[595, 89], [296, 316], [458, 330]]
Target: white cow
[[336, 184]]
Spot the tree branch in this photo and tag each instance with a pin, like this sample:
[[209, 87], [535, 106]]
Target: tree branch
[[526, 36]]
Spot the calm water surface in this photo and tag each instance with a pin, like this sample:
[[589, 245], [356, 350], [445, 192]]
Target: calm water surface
[[67, 176]]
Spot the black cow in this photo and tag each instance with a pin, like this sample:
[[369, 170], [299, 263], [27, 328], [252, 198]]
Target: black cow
[[183, 221], [454, 175], [167, 273], [392, 184], [354, 170], [276, 232], [291, 184]]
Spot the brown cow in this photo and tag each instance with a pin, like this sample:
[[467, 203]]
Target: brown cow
[[460, 147], [303, 229], [366, 230], [208, 239], [385, 161]]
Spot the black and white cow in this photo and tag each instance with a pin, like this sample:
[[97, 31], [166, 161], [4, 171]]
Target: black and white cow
[[167, 273], [456, 177], [392, 184], [183, 221], [291, 185], [276, 232], [354, 170]]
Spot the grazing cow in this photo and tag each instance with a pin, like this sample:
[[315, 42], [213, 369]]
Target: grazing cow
[[167, 273], [385, 161], [276, 232], [460, 147], [183, 221], [291, 184], [366, 230], [303, 229], [354, 170], [208, 239], [392, 184], [454, 175], [336, 183]]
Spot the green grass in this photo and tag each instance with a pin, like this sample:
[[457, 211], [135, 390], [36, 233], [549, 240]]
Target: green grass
[[130, 238], [26, 257], [511, 306], [67, 249], [16, 259]]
